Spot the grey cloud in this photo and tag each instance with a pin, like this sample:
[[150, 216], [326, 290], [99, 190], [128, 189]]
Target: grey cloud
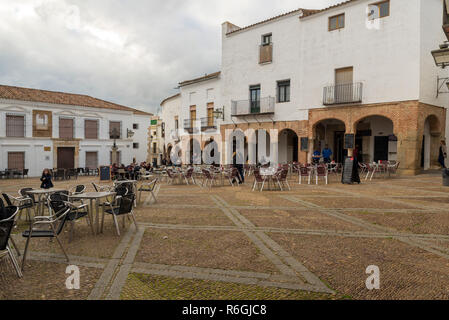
[[129, 52]]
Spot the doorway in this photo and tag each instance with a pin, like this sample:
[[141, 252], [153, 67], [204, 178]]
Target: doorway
[[66, 158], [381, 148], [339, 147]]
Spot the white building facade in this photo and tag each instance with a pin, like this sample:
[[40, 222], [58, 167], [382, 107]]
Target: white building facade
[[357, 76], [43, 129]]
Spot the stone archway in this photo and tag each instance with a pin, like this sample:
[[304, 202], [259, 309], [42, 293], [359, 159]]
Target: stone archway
[[329, 132], [376, 139], [288, 147]]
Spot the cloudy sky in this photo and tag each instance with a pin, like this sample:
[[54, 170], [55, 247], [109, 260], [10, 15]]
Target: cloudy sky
[[132, 52]]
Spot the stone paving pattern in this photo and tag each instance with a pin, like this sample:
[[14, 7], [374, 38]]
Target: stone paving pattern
[[313, 242]]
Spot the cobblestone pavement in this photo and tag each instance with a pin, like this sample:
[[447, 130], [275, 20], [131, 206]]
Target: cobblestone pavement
[[313, 242]]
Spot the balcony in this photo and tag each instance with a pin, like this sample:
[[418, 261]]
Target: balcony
[[208, 123], [247, 107], [343, 94]]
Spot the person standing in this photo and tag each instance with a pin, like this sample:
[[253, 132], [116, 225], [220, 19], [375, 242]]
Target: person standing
[[327, 154], [442, 154], [46, 180]]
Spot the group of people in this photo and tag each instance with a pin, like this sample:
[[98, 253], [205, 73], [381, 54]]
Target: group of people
[[132, 171], [327, 154]]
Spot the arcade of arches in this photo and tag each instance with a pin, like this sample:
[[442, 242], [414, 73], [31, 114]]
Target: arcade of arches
[[408, 132]]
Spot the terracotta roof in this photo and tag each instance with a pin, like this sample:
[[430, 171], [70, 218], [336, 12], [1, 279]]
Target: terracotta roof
[[305, 11], [53, 97], [171, 97], [203, 78], [312, 12]]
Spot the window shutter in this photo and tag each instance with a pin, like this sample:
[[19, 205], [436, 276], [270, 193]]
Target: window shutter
[[91, 129], [65, 128], [15, 126]]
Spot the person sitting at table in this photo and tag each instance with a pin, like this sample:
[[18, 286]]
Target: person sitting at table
[[327, 153], [316, 157], [46, 180]]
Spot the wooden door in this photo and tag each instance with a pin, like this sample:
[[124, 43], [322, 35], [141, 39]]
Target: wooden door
[[192, 117], [66, 158], [210, 115]]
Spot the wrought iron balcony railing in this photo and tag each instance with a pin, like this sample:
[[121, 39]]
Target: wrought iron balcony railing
[[208, 123], [343, 93], [248, 107]]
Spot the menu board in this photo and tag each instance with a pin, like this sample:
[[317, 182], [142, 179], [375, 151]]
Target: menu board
[[105, 173], [350, 171]]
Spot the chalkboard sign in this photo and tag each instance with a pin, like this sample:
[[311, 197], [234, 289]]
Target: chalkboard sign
[[105, 173], [304, 144], [349, 141], [350, 171]]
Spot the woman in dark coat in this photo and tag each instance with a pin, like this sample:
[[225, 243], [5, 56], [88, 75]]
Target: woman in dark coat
[[442, 154], [46, 180]]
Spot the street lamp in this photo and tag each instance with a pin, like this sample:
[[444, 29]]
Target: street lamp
[[219, 114], [441, 56]]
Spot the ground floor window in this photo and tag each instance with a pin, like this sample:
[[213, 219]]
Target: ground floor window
[[16, 160], [92, 160]]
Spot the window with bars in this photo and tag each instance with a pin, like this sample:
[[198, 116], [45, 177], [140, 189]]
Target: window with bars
[[16, 160], [66, 128], [15, 126], [91, 129], [115, 130]]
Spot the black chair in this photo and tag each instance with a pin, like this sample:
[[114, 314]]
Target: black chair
[[25, 173], [59, 200], [2, 174], [22, 203], [53, 226], [125, 208], [7, 222], [79, 189]]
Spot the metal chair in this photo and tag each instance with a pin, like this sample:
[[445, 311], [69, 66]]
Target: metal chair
[[281, 178], [22, 203], [59, 200], [258, 179], [321, 171], [305, 171], [148, 187], [54, 225], [209, 178], [7, 222], [125, 207]]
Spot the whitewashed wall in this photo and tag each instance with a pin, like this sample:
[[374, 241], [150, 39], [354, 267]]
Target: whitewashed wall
[[170, 109], [200, 94], [35, 157]]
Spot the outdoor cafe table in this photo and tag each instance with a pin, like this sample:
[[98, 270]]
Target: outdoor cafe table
[[268, 174], [93, 197], [42, 194]]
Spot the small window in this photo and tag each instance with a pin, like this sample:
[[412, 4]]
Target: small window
[[337, 22], [379, 10], [135, 145], [283, 91], [135, 126], [266, 39]]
